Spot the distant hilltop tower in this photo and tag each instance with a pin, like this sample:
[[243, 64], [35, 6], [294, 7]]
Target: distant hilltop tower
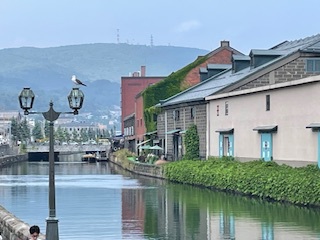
[[151, 41], [118, 36]]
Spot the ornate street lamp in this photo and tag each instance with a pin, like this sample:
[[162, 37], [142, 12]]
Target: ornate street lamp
[[26, 99], [75, 99]]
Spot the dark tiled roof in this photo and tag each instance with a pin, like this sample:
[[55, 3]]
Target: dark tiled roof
[[227, 78]]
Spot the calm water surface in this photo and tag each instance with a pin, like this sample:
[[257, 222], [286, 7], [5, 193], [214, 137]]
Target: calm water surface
[[100, 201]]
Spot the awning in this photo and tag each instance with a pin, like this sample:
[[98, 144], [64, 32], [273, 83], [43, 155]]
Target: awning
[[314, 126], [266, 129], [143, 142], [156, 147], [225, 130], [145, 147], [150, 133], [173, 131]]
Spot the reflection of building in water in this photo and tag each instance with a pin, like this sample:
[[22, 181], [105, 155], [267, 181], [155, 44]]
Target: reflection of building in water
[[267, 231], [227, 229], [133, 212], [185, 219]]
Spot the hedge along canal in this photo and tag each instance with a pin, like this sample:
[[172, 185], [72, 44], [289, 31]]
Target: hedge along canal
[[266, 180]]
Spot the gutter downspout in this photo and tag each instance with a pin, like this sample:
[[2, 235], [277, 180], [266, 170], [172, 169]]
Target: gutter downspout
[[165, 132]]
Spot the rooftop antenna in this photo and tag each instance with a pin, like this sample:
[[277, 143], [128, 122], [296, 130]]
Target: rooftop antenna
[[118, 36], [151, 41]]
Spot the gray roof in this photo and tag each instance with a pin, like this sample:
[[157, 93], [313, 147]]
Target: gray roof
[[218, 66], [269, 52], [240, 57], [203, 89], [299, 44], [226, 78], [203, 70]]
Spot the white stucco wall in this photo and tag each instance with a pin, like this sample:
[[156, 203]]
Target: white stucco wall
[[293, 107]]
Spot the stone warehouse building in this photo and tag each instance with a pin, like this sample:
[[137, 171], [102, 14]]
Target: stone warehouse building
[[272, 92]]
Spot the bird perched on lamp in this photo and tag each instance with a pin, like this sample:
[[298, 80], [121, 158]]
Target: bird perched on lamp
[[77, 81]]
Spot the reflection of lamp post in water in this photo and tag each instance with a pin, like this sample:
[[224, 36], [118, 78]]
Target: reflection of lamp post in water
[[26, 99]]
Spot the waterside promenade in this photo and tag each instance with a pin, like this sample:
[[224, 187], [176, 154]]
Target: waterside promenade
[[11, 227]]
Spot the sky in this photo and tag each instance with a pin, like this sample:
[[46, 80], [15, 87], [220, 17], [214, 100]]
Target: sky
[[247, 24]]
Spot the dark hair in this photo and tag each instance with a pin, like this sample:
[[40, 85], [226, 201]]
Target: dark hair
[[34, 229]]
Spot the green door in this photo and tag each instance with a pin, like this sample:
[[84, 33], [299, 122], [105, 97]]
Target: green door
[[266, 146]]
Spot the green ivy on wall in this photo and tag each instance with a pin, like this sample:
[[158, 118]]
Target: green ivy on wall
[[164, 89], [191, 142]]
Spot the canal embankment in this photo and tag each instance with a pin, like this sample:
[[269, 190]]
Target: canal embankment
[[11, 227], [137, 167], [265, 180], [10, 154]]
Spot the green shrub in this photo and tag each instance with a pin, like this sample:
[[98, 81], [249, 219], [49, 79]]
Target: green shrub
[[191, 142], [256, 178]]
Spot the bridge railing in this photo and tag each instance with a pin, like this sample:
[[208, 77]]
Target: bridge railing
[[69, 148]]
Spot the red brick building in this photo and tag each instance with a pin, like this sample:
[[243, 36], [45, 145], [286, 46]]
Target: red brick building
[[140, 128], [130, 87], [133, 125], [221, 55]]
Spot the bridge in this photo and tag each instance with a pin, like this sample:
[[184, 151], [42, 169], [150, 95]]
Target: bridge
[[69, 148], [41, 152]]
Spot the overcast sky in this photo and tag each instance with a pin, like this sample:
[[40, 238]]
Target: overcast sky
[[247, 24]]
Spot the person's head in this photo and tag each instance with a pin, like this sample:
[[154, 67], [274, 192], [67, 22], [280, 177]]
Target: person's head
[[34, 231]]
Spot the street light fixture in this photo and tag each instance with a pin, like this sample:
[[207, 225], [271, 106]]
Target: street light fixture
[[26, 99]]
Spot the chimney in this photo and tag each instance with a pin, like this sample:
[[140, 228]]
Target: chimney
[[225, 43], [143, 71], [135, 74]]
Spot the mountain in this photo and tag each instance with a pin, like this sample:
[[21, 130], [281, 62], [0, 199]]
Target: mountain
[[48, 71]]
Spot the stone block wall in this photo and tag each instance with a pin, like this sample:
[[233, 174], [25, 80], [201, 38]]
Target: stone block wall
[[145, 169], [9, 159], [12, 228]]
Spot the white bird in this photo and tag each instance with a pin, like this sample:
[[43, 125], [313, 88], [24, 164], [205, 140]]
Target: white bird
[[77, 81]]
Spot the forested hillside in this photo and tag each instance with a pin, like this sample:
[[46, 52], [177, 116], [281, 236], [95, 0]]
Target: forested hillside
[[48, 70]]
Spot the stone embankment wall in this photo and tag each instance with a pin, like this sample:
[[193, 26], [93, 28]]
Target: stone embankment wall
[[145, 169], [13, 228], [9, 159], [9, 155]]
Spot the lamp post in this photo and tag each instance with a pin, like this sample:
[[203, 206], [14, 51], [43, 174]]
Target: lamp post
[[75, 99]]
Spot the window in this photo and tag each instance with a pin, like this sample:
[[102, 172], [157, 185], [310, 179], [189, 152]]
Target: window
[[192, 112], [155, 116], [267, 102], [176, 115], [226, 108], [313, 65]]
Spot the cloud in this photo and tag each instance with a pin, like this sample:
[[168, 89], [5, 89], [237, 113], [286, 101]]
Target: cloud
[[188, 26]]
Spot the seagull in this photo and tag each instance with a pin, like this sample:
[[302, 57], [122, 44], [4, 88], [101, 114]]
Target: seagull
[[77, 81]]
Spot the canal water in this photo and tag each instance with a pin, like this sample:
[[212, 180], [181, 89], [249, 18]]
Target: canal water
[[101, 201]]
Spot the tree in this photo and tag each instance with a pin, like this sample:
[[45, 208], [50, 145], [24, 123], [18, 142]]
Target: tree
[[46, 129], [192, 143], [36, 131], [67, 136], [14, 129], [24, 131], [75, 135], [59, 134], [91, 133]]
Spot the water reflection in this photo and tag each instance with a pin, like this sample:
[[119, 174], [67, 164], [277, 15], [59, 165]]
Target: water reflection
[[183, 212], [103, 201]]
